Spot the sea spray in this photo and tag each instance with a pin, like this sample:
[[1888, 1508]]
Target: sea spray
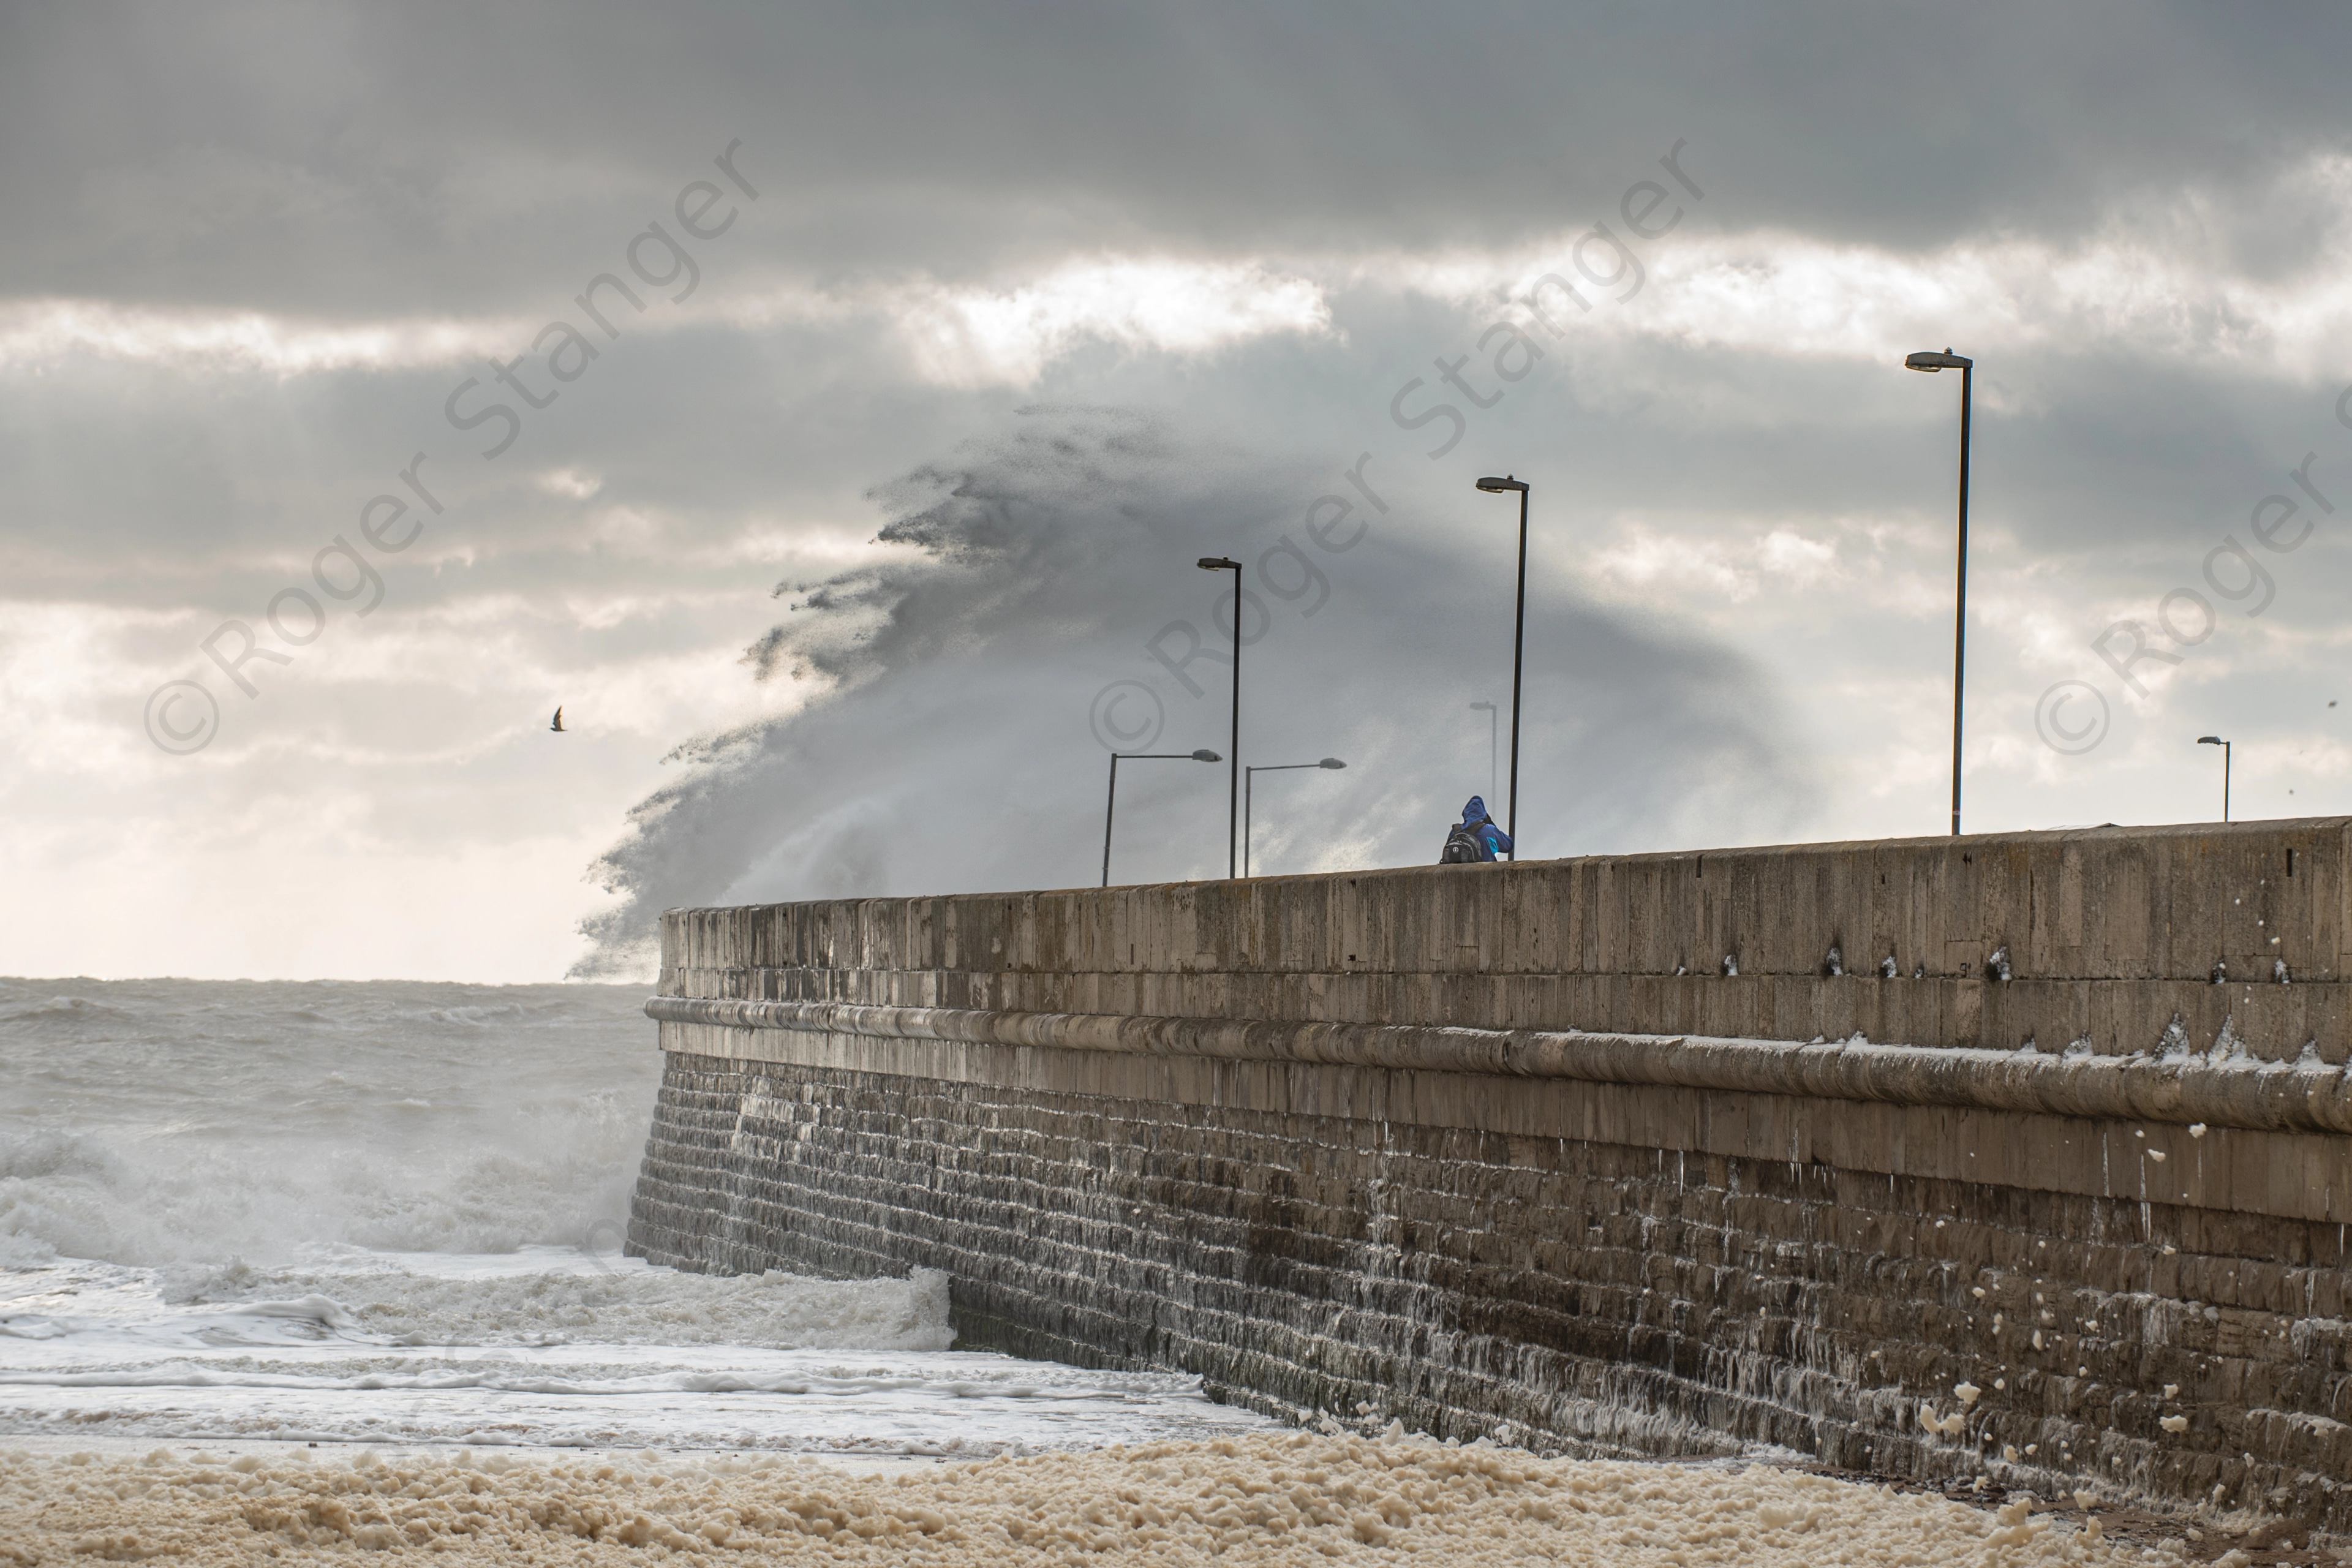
[[177, 1121]]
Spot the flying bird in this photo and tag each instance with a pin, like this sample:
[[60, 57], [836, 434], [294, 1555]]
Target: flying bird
[[558, 725]]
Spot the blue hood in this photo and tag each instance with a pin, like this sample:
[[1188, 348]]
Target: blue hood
[[1475, 811]]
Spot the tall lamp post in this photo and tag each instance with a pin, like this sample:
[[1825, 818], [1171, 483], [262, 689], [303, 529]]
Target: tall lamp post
[[1249, 779], [1931, 361], [1518, 645], [1234, 786], [1110, 803], [1489, 709], [2216, 741]]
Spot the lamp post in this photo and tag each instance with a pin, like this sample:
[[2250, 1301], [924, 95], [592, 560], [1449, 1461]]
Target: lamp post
[[1234, 784], [1249, 780], [1519, 647], [2216, 741], [1931, 361], [1491, 720], [1111, 803]]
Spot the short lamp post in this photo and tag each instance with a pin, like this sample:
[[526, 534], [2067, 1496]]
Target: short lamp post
[[1932, 362], [1249, 781], [2216, 741], [1518, 645], [1111, 803], [1233, 782]]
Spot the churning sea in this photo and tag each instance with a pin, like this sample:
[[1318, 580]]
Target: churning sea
[[391, 1212]]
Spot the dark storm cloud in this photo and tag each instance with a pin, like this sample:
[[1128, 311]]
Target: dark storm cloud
[[417, 158], [952, 749]]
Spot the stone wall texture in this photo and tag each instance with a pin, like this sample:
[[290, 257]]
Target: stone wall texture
[[2060, 1117]]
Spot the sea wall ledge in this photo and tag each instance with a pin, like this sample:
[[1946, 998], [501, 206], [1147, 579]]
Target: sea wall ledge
[[2222, 1087]]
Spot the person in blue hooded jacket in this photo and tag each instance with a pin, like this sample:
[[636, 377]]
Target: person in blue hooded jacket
[[1493, 842]]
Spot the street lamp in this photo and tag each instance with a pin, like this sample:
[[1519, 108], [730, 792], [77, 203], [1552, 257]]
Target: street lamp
[[1489, 709], [1519, 647], [1111, 801], [2216, 741], [1233, 784], [1249, 778], [1932, 362]]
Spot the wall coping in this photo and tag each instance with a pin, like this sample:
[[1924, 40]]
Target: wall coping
[[2222, 1087], [2242, 831]]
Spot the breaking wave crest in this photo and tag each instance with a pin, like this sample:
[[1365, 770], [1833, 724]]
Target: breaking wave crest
[[371, 1298]]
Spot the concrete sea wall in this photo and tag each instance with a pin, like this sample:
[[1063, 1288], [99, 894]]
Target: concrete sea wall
[[1655, 1155]]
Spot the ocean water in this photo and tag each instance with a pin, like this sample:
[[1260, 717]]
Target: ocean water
[[391, 1212]]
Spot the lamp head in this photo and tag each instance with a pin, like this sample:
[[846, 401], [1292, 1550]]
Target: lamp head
[[1219, 563], [2212, 740], [1330, 763], [1482, 706], [1930, 361], [1206, 755], [1494, 486]]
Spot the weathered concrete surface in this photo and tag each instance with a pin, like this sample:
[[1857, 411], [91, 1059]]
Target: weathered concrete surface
[[2109, 934], [1459, 1143]]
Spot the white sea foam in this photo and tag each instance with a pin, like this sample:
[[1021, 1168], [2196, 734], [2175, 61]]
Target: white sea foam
[[570, 1301], [1262, 1500], [392, 1212], [547, 1346], [542, 1296]]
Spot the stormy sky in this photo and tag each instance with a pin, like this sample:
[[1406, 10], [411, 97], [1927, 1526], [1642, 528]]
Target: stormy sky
[[826, 405]]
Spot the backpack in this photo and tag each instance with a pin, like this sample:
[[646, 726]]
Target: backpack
[[1462, 846]]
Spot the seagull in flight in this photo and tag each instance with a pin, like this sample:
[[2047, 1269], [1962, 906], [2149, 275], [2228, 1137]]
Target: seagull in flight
[[558, 725]]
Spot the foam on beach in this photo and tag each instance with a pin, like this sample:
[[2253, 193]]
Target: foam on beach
[[1290, 1498]]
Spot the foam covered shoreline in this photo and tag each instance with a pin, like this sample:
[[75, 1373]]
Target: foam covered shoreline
[[1294, 1498]]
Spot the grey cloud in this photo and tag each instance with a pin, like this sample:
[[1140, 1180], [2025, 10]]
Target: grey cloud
[[133, 492], [348, 157]]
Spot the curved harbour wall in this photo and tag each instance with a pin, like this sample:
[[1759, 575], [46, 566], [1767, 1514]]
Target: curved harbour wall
[[1658, 1155]]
